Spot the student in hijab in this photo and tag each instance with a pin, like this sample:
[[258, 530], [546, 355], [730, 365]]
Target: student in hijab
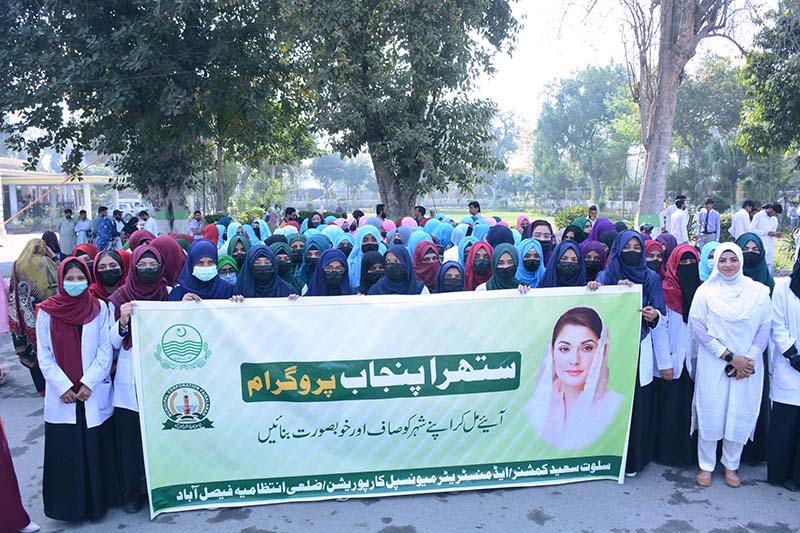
[[522, 223], [459, 232], [755, 264], [399, 236], [478, 268], [621, 226], [443, 234], [417, 237], [80, 478], [367, 240], [277, 237], [654, 255], [315, 245], [173, 255], [297, 243], [600, 226], [346, 243], [480, 229], [627, 265], [145, 282], [227, 269], [261, 230], [585, 223], [573, 233], [669, 241], [530, 267], [211, 232], [87, 252], [707, 259], [783, 456], [426, 264], [676, 357], [430, 225], [34, 279], [109, 273], [315, 220], [283, 256], [504, 268], [607, 239], [372, 270], [259, 277], [199, 279], [498, 235], [237, 247], [450, 277], [332, 231], [594, 258], [138, 238], [330, 278], [51, 240], [399, 277], [731, 318], [566, 267]]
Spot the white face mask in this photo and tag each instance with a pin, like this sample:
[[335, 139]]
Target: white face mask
[[204, 273]]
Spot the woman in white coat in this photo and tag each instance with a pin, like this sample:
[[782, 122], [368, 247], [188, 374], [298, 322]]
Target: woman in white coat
[[731, 316], [80, 475]]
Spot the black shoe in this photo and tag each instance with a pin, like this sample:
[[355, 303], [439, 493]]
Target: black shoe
[[133, 506], [790, 485]]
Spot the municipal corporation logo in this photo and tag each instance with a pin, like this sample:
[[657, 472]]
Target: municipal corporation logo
[[186, 406], [182, 347]]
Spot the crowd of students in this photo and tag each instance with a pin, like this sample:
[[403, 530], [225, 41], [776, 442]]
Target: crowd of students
[[708, 317]]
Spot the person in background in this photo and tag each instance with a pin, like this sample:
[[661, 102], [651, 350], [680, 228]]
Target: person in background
[[419, 214], [666, 215], [289, 215], [592, 213], [103, 229], [679, 223], [765, 224], [150, 223], [196, 224], [66, 232], [475, 210], [740, 222], [51, 240], [793, 215], [83, 228], [119, 225], [708, 224], [380, 211]]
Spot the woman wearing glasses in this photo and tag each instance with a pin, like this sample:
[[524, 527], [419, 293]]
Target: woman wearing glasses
[[331, 277]]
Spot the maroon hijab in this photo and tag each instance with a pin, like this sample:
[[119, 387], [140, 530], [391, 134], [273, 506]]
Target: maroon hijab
[[66, 314], [173, 254], [136, 238]]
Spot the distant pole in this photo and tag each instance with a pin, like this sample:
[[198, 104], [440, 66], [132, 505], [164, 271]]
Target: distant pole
[[2, 215]]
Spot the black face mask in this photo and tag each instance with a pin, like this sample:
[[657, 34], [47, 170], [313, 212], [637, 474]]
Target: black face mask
[[239, 258], [654, 265], [593, 266], [452, 284], [147, 275], [567, 270], [283, 267], [346, 250], [631, 257], [90, 265], [545, 245], [257, 231], [110, 277], [506, 272], [332, 279], [374, 276], [398, 239], [751, 259], [312, 224], [395, 271], [311, 263], [370, 247], [481, 266], [263, 273], [531, 265], [297, 255]]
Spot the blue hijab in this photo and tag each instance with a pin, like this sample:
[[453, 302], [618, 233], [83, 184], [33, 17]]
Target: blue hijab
[[263, 230], [417, 236], [459, 232], [442, 234], [410, 285], [705, 267], [345, 237], [246, 284], [480, 230], [214, 289], [431, 226], [222, 236], [405, 234], [332, 231], [498, 235], [531, 279], [442, 270], [317, 285], [551, 276], [517, 237], [466, 241], [354, 261], [318, 242]]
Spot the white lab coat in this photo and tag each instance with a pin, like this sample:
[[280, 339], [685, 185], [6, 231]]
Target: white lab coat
[[761, 225], [649, 358], [740, 223], [677, 348], [97, 359], [124, 379], [784, 380], [451, 254]]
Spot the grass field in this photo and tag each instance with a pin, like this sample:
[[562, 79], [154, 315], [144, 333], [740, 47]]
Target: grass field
[[507, 216]]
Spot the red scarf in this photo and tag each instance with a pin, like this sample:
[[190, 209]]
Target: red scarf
[[66, 314], [655, 246], [426, 272], [97, 288], [670, 284], [471, 279]]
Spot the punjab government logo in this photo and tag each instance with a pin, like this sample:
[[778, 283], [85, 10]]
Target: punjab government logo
[[182, 347], [186, 406]]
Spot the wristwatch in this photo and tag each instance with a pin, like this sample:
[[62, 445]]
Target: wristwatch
[[728, 356]]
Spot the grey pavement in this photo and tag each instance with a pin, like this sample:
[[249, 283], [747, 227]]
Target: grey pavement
[[659, 499]]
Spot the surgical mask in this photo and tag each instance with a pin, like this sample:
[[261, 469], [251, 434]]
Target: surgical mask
[[482, 266], [452, 284], [751, 259], [297, 255], [631, 257], [311, 263], [545, 245], [332, 279], [506, 272], [654, 265], [374, 276], [110, 277], [205, 273], [230, 279], [593, 266], [369, 247], [239, 258], [283, 267], [147, 275], [395, 271], [346, 250], [263, 273], [75, 288], [531, 265], [567, 270]]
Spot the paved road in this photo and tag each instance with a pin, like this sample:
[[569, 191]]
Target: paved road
[[658, 500]]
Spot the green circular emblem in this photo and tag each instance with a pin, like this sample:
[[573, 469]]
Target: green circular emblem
[[186, 406], [182, 347]]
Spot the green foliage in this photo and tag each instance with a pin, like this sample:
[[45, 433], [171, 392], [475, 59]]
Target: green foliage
[[212, 218], [250, 214], [784, 252], [565, 216], [302, 215], [724, 227]]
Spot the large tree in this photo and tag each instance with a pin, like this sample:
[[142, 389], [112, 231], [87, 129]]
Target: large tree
[[150, 83], [394, 77]]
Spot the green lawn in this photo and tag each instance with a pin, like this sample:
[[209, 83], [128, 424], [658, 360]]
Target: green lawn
[[507, 216]]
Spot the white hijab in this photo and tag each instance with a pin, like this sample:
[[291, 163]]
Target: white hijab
[[730, 298]]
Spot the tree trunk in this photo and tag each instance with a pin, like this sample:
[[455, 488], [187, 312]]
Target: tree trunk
[[169, 201], [595, 181], [220, 182], [398, 199]]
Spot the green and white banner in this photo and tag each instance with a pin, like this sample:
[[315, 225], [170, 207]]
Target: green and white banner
[[271, 401]]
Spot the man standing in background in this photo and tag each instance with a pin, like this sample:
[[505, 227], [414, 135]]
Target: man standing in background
[[196, 224], [150, 223], [708, 224], [666, 215], [679, 222], [66, 232], [83, 228], [765, 224], [740, 222]]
